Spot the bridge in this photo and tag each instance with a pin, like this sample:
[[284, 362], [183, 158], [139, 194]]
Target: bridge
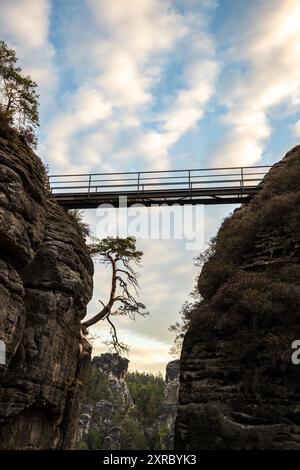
[[234, 185]]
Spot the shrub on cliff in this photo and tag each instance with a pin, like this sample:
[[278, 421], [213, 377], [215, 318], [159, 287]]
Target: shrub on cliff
[[275, 208], [76, 218], [18, 98]]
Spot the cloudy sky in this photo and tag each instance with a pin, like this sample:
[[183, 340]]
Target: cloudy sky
[[159, 84]]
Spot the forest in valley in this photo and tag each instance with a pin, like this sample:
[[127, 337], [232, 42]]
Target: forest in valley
[[138, 415]]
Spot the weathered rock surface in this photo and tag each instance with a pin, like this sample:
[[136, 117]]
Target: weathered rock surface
[[45, 285], [104, 416], [170, 401], [112, 365], [238, 386], [128, 412]]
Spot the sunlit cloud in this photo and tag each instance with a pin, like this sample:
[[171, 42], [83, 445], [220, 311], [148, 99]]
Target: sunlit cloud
[[87, 109], [129, 47], [266, 45], [25, 26], [297, 129]]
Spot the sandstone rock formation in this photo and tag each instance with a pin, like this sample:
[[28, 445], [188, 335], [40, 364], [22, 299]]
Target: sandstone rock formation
[[108, 402], [167, 418], [45, 285], [114, 419], [239, 388]]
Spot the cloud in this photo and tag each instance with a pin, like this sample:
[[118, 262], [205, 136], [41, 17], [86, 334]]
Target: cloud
[[125, 44], [186, 106], [199, 75], [163, 289], [86, 108], [25, 26], [297, 129], [189, 104], [167, 277], [147, 355], [267, 52], [139, 76], [136, 32], [130, 45]]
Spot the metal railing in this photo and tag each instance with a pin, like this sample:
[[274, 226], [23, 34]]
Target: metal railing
[[147, 182]]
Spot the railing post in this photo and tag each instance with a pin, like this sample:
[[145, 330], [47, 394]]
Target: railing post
[[138, 184], [242, 179], [190, 187], [89, 189]]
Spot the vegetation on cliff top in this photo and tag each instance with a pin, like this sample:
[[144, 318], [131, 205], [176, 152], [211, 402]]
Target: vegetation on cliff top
[[18, 99], [250, 280]]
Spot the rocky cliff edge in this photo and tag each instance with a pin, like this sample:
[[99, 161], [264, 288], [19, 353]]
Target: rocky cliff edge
[[45, 285]]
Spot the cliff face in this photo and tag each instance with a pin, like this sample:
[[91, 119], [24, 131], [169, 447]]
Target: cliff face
[[170, 400], [45, 285], [108, 404], [238, 386], [128, 411]]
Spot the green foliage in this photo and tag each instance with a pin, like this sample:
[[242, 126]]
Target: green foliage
[[98, 386], [82, 445], [18, 96], [213, 275], [250, 283], [116, 247], [180, 327], [120, 254], [132, 436], [73, 385], [258, 300], [147, 393], [94, 439], [45, 179], [161, 437], [275, 208], [76, 217]]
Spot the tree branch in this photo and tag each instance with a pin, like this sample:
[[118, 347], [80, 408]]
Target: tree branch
[[99, 316]]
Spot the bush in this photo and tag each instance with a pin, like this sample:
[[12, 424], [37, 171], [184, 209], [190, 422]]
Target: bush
[[76, 219], [94, 440], [278, 211], [283, 179], [258, 300], [213, 275], [132, 436]]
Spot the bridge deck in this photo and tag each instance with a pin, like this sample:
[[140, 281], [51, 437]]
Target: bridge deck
[[198, 186]]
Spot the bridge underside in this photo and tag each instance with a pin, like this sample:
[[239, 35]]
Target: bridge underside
[[85, 200]]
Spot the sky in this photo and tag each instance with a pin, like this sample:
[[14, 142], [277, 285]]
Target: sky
[[129, 85]]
